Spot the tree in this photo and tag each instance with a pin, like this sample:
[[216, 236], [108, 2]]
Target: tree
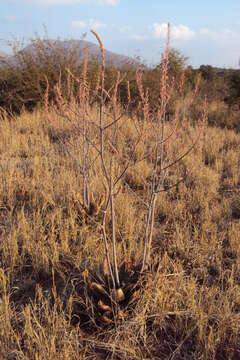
[[208, 73], [176, 64], [233, 97]]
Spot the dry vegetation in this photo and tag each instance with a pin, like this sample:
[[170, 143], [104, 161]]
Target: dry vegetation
[[55, 287]]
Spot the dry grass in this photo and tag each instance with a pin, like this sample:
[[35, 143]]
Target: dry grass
[[189, 306]]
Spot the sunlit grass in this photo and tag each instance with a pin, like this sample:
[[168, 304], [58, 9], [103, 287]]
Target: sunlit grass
[[189, 306]]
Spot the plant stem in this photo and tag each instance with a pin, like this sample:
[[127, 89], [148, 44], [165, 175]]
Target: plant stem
[[112, 209]]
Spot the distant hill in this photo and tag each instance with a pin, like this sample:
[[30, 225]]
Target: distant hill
[[3, 58], [78, 47], [3, 55]]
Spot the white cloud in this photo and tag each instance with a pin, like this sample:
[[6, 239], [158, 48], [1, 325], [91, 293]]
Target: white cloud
[[205, 31], [66, 2], [109, 2], [139, 37], [222, 34], [79, 24], [229, 32], [6, 19], [10, 18], [95, 24], [179, 32], [124, 29], [92, 24]]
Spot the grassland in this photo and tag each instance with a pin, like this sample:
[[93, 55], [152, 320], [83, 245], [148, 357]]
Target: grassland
[[186, 307]]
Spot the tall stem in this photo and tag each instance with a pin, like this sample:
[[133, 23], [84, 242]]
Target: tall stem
[[146, 236], [106, 245], [148, 232], [112, 209], [149, 246]]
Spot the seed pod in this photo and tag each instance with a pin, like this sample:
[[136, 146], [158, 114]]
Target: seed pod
[[98, 288], [103, 307], [119, 295], [106, 319]]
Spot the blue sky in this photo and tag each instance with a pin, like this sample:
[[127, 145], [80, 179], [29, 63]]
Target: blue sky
[[208, 32]]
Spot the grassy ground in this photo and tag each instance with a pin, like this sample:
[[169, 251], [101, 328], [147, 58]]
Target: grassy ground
[[187, 307]]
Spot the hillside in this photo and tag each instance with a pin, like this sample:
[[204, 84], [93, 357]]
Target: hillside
[[3, 56], [77, 47]]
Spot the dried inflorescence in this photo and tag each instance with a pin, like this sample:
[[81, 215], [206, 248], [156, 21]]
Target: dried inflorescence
[[154, 138]]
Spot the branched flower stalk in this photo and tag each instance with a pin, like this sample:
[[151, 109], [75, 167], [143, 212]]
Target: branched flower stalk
[[162, 145], [152, 137], [113, 167]]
